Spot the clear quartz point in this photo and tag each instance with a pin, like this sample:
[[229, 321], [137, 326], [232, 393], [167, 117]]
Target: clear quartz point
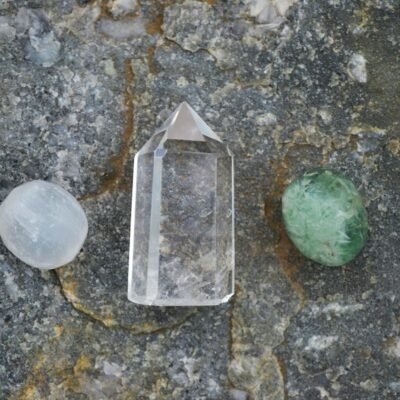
[[182, 232]]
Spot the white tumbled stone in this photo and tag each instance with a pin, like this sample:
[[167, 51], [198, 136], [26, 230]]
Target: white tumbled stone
[[42, 224]]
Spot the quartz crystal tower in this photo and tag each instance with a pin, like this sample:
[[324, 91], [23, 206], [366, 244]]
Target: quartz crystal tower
[[182, 232]]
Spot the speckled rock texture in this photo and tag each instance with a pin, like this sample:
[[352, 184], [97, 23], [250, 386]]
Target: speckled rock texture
[[290, 86]]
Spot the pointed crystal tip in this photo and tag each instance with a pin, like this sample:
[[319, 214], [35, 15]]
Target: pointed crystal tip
[[185, 124]]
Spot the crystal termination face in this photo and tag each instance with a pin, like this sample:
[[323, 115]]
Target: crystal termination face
[[182, 229]]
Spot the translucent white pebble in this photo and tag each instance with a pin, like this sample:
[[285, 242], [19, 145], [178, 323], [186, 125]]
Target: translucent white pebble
[[42, 224]]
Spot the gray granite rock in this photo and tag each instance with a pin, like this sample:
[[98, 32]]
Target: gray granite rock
[[289, 86]]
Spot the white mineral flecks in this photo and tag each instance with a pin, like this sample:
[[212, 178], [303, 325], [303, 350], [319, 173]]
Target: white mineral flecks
[[123, 7], [358, 68], [320, 342], [121, 30], [270, 12], [42, 224], [7, 32], [43, 48], [267, 119]]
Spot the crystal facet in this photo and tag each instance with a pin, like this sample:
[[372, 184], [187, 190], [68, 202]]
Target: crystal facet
[[42, 224], [325, 218], [182, 232]]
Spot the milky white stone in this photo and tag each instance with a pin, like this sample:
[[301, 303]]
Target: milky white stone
[[42, 224]]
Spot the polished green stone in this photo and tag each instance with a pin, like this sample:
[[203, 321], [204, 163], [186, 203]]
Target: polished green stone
[[324, 217]]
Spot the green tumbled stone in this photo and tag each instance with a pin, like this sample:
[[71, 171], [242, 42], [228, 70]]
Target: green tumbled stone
[[325, 218]]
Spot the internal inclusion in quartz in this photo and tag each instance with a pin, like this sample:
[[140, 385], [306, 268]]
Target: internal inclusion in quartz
[[182, 231]]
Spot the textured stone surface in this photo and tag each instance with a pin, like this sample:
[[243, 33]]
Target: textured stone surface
[[42, 224], [324, 217], [319, 90]]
